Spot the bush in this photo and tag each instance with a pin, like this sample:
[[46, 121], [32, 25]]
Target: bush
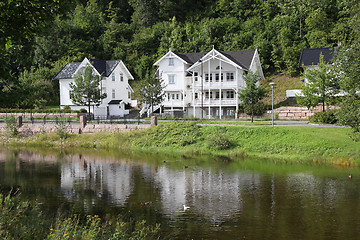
[[219, 142], [67, 107], [328, 117], [83, 110], [11, 126]]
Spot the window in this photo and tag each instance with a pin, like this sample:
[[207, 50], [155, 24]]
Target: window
[[121, 77], [113, 93], [196, 74], [171, 61], [230, 94], [217, 95], [71, 95], [177, 96], [206, 95], [230, 76], [173, 96], [230, 112], [168, 96], [113, 77], [216, 77], [171, 79], [206, 77], [196, 96], [222, 77]]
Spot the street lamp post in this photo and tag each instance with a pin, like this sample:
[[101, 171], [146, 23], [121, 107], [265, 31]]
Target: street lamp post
[[272, 84]]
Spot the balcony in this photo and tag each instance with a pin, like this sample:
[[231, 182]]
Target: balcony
[[216, 102], [216, 85]]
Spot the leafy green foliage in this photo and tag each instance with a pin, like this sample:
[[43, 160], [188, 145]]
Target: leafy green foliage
[[218, 141], [173, 134], [151, 91], [11, 126], [252, 93], [24, 220], [86, 88], [328, 117], [349, 115]]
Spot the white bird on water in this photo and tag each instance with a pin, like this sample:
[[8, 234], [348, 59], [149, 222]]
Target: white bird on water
[[186, 207]]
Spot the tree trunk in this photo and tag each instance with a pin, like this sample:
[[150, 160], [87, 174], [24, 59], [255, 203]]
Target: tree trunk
[[323, 103], [252, 114]]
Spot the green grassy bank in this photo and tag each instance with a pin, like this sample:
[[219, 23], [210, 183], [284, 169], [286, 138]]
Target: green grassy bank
[[287, 144]]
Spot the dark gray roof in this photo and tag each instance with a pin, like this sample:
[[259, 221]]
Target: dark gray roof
[[242, 57], [67, 71], [103, 67], [115, 102], [311, 56]]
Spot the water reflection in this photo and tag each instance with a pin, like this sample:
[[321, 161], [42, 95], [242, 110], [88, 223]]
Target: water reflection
[[225, 201]]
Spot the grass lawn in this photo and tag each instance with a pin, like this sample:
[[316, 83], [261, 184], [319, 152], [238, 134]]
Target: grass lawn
[[285, 144]]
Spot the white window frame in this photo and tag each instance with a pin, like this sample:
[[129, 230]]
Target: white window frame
[[171, 79], [171, 61], [113, 77], [113, 94]]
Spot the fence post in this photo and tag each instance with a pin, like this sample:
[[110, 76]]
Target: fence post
[[19, 121], [153, 120], [82, 121]]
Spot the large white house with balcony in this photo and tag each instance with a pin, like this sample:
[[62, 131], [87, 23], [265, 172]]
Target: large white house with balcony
[[205, 85], [115, 83]]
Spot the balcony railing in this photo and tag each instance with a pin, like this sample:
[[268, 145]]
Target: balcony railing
[[216, 102], [216, 85]]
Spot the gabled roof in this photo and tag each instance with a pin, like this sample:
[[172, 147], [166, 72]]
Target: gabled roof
[[242, 58], [311, 56], [103, 67]]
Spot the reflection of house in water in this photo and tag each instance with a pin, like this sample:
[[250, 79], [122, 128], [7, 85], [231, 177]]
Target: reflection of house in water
[[104, 179], [212, 194]]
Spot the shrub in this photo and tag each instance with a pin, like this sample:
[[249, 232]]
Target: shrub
[[219, 142], [11, 126], [83, 110], [67, 107], [328, 117]]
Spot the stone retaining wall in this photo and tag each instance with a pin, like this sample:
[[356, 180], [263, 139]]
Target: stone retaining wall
[[29, 129], [299, 112], [42, 115]]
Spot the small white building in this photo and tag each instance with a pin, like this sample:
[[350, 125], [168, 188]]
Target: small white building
[[309, 59], [115, 83], [205, 85]]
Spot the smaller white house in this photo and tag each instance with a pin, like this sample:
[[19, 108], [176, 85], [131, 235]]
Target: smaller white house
[[309, 59], [115, 83]]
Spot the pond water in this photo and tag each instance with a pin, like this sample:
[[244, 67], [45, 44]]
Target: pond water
[[249, 199]]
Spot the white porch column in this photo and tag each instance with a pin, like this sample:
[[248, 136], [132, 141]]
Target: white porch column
[[220, 92], [209, 89], [193, 83], [236, 93]]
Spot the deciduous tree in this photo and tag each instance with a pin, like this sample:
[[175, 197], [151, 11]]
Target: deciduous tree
[[322, 85], [86, 89], [252, 93]]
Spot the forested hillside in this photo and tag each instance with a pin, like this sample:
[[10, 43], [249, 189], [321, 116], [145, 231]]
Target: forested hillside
[[140, 31]]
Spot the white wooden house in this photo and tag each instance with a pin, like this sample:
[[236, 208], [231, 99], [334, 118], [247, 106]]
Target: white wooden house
[[115, 83], [309, 59], [205, 85]]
